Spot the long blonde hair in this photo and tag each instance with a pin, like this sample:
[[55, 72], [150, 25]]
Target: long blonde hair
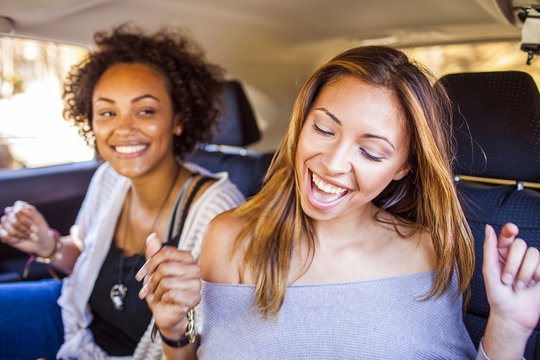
[[426, 197]]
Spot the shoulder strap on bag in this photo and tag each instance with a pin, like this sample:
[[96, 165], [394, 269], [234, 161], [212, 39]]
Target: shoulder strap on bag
[[173, 240]]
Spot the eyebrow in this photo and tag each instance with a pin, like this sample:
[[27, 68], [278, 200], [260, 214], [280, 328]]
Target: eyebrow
[[370, 136], [138, 98], [330, 115]]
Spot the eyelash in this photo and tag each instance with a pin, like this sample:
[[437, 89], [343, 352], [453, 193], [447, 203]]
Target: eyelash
[[369, 156], [364, 152], [107, 113], [321, 131], [147, 112]]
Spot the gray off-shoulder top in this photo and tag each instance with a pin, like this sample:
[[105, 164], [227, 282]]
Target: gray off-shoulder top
[[369, 319]]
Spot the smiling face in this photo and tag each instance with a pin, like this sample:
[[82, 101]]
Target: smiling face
[[351, 146], [133, 120]]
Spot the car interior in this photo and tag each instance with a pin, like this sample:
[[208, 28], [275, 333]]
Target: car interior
[[268, 48]]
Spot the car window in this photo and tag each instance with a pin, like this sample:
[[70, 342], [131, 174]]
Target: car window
[[476, 57], [33, 132]]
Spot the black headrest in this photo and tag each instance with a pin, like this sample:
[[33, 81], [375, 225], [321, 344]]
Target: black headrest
[[237, 125], [496, 124]]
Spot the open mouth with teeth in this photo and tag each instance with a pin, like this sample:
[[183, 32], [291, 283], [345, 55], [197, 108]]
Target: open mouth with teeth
[[129, 149], [324, 195]]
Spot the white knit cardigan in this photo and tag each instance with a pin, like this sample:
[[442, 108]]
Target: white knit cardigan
[[96, 222]]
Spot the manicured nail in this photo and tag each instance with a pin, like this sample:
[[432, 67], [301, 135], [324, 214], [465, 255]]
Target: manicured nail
[[532, 283], [3, 233], [34, 237], [34, 228], [151, 236], [141, 273], [143, 292], [520, 285], [507, 279]]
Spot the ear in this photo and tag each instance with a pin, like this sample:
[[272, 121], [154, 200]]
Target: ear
[[402, 172]]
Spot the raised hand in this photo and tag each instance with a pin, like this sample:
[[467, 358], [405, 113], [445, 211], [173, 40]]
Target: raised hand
[[24, 227], [171, 287], [512, 274]]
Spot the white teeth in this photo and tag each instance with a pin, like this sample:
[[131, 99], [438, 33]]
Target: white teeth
[[326, 187], [129, 149]]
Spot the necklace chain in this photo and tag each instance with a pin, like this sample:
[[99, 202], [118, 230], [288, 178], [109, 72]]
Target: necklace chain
[[119, 290]]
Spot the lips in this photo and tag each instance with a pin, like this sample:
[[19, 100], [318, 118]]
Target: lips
[[323, 194]]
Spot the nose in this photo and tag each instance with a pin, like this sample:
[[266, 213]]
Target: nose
[[125, 123], [337, 158]]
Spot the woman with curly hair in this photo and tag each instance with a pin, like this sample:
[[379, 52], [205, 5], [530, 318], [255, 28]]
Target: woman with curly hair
[[144, 101]]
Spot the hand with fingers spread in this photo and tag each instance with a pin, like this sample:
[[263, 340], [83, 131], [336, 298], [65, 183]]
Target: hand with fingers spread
[[171, 287], [512, 274], [24, 227]]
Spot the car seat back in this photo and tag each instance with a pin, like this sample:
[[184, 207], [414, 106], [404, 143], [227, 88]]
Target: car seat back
[[496, 126], [227, 151]]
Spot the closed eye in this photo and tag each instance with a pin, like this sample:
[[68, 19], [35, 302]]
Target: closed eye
[[321, 131], [370, 156]]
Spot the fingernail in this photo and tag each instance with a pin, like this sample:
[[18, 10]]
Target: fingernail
[[532, 283], [34, 237], [507, 279], [520, 285], [143, 292], [151, 236], [3, 233], [141, 273], [34, 228]]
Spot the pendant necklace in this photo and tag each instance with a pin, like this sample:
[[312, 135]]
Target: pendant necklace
[[119, 290]]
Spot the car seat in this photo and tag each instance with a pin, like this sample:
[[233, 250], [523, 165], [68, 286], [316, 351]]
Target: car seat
[[496, 126], [227, 151]]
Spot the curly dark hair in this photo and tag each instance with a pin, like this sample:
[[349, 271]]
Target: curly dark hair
[[194, 85]]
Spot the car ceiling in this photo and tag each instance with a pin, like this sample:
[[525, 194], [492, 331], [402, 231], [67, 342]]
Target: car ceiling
[[270, 45]]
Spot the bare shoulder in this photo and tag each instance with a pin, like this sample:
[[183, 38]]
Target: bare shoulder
[[218, 263], [410, 246], [420, 250]]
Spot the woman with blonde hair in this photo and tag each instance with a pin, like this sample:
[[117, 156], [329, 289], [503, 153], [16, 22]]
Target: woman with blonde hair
[[357, 247]]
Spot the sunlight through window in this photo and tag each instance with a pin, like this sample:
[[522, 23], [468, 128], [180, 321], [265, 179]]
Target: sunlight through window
[[33, 132]]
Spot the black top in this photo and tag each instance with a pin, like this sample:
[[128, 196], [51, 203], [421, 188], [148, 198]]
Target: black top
[[118, 332]]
